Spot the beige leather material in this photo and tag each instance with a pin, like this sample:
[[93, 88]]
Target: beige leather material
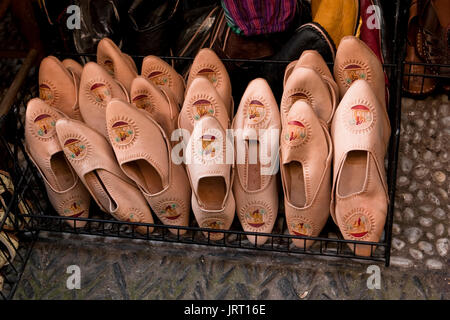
[[307, 84], [66, 192], [202, 99], [210, 173], [314, 60], [58, 87], [164, 76], [360, 132], [207, 64], [159, 103], [130, 62], [73, 66], [119, 66], [305, 162], [144, 154], [97, 87], [94, 161], [255, 187], [355, 60]]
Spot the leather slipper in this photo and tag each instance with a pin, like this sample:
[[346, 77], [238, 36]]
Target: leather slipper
[[355, 60], [119, 66], [144, 154], [97, 87], [312, 59], [158, 102], [211, 176], [307, 84], [58, 87], [255, 187], [93, 159], [360, 131], [164, 76], [305, 159], [65, 190], [208, 65]]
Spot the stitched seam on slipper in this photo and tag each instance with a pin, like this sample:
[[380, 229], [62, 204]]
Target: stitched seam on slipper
[[219, 80], [122, 132], [259, 205]]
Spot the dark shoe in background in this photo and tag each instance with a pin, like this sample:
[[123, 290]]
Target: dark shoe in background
[[153, 25]]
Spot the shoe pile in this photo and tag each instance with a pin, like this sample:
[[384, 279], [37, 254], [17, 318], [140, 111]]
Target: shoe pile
[[131, 142]]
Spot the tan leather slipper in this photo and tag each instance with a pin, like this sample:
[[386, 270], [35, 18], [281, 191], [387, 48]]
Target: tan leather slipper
[[65, 190], [211, 176], [97, 87], [144, 155], [118, 65], [158, 102], [307, 84], [202, 99], [58, 87], [355, 60], [360, 132], [73, 66], [305, 160], [314, 60], [207, 64], [255, 187], [93, 159], [164, 76]]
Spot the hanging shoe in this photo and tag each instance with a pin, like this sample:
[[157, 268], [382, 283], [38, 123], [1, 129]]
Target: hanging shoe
[[144, 154], [94, 161], [118, 65], [164, 76], [305, 161], [158, 102], [306, 84], [208, 65], [65, 190], [360, 133], [58, 87], [97, 87], [255, 187], [210, 173]]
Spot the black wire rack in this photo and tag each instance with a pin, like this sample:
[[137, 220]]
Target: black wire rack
[[40, 216]]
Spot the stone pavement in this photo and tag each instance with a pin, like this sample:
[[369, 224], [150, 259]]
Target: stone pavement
[[132, 269]]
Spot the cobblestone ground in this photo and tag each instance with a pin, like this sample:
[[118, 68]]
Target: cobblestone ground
[[117, 269], [421, 227]]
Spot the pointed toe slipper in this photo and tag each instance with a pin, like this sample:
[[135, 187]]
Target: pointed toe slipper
[[65, 190], [207, 64], [305, 163], [355, 60], [307, 84], [58, 87], [94, 161], [144, 154], [158, 102], [210, 173], [163, 75], [118, 65], [360, 133], [255, 185], [97, 87]]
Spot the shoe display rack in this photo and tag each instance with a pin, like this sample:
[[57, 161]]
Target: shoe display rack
[[40, 216]]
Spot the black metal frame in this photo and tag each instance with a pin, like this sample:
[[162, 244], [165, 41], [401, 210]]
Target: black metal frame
[[29, 186]]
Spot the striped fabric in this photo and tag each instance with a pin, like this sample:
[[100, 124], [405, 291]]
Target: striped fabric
[[253, 17]]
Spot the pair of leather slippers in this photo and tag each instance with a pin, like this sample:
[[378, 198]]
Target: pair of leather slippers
[[351, 137], [120, 155]]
